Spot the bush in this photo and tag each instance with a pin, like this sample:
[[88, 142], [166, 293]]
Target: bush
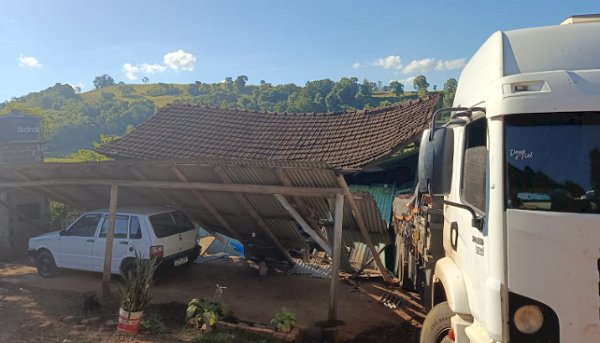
[[203, 311], [284, 320]]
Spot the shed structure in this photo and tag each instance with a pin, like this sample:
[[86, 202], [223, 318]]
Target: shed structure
[[272, 181]]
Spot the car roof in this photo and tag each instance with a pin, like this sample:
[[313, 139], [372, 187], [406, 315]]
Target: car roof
[[143, 210]]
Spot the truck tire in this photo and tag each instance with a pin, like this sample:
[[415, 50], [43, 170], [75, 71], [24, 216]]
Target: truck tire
[[437, 324], [45, 264]]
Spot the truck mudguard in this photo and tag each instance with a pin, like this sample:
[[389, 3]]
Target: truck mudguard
[[450, 276]]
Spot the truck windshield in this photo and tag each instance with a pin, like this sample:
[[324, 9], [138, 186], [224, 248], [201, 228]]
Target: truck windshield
[[553, 162]]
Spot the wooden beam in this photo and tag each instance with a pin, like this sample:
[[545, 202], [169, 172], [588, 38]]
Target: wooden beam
[[241, 198], [337, 251], [211, 208], [363, 229], [53, 194], [112, 216], [215, 187], [303, 224], [303, 206]]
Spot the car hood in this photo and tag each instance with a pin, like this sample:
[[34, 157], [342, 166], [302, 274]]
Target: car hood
[[46, 236]]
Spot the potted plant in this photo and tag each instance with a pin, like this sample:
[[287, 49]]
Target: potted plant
[[134, 293]]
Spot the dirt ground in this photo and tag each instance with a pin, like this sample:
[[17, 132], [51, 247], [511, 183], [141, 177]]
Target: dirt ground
[[34, 309]]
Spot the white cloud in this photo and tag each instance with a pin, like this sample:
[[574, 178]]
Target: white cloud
[[450, 64], [176, 60], [130, 71], [180, 60], [152, 68], [29, 61], [389, 62], [356, 65], [419, 66]]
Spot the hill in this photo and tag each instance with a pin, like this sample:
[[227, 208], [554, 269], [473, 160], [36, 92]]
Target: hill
[[74, 120]]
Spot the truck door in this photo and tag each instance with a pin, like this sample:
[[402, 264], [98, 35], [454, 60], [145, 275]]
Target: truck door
[[466, 241]]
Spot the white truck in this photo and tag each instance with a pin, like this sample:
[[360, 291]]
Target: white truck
[[504, 245]]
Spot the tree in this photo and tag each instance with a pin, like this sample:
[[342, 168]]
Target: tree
[[103, 80], [367, 88], [421, 85], [145, 80], [240, 83], [449, 91], [397, 88]]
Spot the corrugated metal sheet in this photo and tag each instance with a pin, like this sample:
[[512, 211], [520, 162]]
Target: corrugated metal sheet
[[383, 195]]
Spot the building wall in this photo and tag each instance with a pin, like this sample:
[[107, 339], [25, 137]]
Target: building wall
[[26, 213]]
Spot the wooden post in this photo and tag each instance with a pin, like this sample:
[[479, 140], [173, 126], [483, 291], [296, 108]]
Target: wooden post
[[304, 224], [337, 251], [112, 216], [363, 229]]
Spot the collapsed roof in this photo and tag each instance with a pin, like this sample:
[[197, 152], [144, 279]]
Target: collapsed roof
[[341, 139]]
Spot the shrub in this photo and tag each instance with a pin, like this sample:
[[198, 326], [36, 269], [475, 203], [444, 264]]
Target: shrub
[[284, 320]]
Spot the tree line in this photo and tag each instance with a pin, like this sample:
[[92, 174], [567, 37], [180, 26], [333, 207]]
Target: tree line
[[73, 120]]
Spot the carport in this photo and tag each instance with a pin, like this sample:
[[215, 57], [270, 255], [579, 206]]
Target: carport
[[257, 202]]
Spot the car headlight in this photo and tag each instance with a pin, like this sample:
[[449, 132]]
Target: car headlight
[[529, 319]]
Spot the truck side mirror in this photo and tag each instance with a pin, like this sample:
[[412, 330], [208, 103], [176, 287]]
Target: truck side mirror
[[435, 161]]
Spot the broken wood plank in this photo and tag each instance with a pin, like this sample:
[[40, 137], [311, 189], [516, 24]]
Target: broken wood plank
[[303, 224]]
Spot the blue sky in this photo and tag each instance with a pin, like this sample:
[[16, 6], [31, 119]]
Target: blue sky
[[45, 42]]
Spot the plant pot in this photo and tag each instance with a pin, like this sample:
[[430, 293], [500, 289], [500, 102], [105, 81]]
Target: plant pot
[[129, 322]]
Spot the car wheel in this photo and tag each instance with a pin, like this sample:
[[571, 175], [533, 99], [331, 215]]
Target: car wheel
[[126, 267], [437, 325], [45, 264]]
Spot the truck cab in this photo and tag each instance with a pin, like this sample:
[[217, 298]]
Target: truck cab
[[511, 248]]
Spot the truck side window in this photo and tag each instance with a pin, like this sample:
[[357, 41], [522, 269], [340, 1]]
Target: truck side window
[[473, 190]]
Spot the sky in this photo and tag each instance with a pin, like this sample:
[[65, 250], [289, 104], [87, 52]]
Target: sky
[[71, 42]]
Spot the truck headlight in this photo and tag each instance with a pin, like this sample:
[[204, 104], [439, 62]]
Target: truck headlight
[[529, 319]]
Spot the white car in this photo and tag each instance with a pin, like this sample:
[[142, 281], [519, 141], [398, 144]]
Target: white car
[[151, 231]]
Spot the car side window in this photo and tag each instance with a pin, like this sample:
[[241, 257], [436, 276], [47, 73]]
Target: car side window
[[121, 227], [135, 230], [85, 226]]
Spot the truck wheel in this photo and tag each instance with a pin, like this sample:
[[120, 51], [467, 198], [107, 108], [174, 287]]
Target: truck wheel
[[437, 325], [45, 264]]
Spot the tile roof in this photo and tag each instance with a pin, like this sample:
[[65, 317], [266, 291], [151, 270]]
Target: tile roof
[[342, 139]]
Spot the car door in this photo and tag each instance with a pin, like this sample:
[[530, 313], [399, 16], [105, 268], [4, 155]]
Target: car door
[[77, 242], [120, 243]]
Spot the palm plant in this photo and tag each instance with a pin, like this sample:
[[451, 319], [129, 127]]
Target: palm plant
[[134, 292]]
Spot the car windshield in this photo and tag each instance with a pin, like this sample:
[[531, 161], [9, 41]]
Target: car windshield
[[553, 162], [170, 223]]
